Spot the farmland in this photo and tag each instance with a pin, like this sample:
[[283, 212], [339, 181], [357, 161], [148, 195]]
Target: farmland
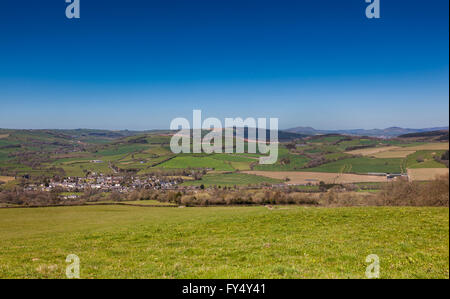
[[135, 211], [399, 153], [78, 153], [304, 178], [233, 179], [429, 146], [237, 242], [371, 151], [361, 165], [426, 174], [197, 162], [424, 159], [6, 179]]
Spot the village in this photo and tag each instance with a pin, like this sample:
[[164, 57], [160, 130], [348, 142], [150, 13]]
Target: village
[[105, 183]]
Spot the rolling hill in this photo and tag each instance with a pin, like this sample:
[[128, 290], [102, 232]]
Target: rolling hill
[[388, 132]]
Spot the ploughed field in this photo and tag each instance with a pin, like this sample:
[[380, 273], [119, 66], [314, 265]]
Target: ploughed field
[[303, 178], [224, 242]]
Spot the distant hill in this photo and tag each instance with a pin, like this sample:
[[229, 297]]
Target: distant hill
[[387, 133], [283, 136], [441, 135]]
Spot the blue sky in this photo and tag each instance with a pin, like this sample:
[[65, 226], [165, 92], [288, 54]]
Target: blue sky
[[138, 64]]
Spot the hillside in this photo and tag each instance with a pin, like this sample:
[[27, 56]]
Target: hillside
[[78, 153], [388, 132], [441, 135]]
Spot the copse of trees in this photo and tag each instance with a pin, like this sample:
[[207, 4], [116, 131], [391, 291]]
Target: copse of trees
[[444, 156], [34, 198]]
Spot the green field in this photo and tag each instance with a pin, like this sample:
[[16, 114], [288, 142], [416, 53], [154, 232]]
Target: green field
[[192, 161], [361, 165], [228, 242], [286, 162], [424, 159], [231, 179]]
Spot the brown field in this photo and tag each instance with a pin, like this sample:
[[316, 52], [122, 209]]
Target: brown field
[[6, 179], [316, 177], [4, 136], [428, 146], [426, 174], [396, 153], [372, 150]]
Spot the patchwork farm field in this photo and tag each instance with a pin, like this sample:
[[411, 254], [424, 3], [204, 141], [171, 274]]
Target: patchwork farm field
[[71, 153], [224, 242], [394, 153], [424, 159], [192, 161], [233, 179], [426, 174], [298, 177], [429, 146], [371, 151], [360, 165], [398, 151]]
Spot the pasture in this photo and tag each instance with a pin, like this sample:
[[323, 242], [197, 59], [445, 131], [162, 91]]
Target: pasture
[[224, 242], [360, 165], [424, 159], [192, 161], [232, 179], [286, 162]]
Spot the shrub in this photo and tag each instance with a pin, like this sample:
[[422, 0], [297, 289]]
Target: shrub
[[404, 193]]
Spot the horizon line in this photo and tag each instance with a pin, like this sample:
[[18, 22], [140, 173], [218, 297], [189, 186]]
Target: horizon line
[[167, 129]]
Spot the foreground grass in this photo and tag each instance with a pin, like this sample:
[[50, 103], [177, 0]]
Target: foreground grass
[[228, 242]]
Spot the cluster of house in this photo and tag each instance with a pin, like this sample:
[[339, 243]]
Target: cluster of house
[[106, 183]]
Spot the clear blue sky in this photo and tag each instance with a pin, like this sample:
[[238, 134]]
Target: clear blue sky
[[137, 64]]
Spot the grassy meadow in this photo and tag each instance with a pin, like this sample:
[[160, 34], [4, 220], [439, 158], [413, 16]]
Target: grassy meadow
[[224, 242], [231, 179], [361, 165]]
